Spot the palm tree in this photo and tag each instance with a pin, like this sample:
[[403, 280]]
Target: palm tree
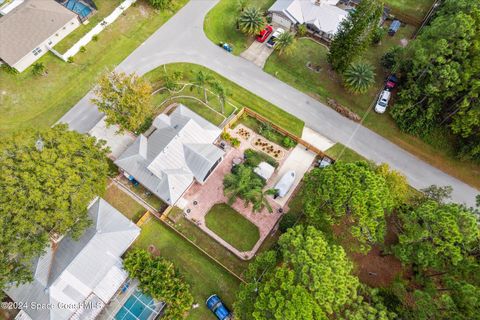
[[251, 21], [359, 77], [202, 79], [221, 93], [242, 4], [245, 184], [285, 43], [38, 69]]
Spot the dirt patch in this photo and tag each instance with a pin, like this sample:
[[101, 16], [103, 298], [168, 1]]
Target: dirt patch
[[376, 268], [153, 250]]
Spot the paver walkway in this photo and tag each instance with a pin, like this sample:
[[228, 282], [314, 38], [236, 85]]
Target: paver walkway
[[211, 193]]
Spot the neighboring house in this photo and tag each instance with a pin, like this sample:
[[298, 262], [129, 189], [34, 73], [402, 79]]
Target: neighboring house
[[31, 28], [75, 279], [179, 151], [323, 17]]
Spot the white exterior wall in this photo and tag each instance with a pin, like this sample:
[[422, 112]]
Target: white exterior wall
[[281, 20], [55, 38]]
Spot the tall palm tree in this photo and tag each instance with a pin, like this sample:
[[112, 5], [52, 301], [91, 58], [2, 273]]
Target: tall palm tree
[[359, 77], [285, 43], [202, 79], [221, 93], [251, 21]]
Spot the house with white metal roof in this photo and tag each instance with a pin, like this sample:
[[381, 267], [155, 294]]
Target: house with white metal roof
[[178, 152], [75, 279], [320, 16]]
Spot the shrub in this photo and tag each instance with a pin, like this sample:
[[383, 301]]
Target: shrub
[[83, 49], [378, 35], [70, 60], [391, 58], [253, 158], [235, 142], [288, 220], [302, 30], [226, 136], [288, 143], [95, 38], [8, 69]]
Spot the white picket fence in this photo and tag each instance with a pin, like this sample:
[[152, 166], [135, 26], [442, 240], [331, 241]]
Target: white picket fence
[[95, 31]]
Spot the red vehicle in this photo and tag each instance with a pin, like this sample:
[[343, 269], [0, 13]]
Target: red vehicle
[[264, 34]]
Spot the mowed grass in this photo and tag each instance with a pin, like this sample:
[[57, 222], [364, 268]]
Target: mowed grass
[[236, 95], [414, 8], [124, 203], [220, 23], [232, 227], [326, 84], [104, 8], [204, 275], [210, 245], [341, 153], [28, 101]]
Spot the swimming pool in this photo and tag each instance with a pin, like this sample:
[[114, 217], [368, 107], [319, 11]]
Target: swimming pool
[[138, 306], [78, 7]]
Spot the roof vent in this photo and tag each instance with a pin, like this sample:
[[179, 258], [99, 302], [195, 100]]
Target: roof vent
[[318, 2]]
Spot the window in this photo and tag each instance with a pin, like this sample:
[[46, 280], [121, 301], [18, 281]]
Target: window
[[36, 51]]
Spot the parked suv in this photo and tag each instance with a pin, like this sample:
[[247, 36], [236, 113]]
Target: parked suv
[[382, 102]]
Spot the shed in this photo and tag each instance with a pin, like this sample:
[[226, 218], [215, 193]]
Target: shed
[[264, 170]]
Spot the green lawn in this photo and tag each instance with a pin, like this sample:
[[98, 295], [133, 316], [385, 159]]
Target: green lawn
[[124, 203], [326, 84], [220, 24], [235, 94], [414, 8], [104, 8], [28, 101], [146, 195], [341, 153], [207, 243], [232, 227], [204, 275]]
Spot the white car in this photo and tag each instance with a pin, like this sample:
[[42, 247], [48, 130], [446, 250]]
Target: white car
[[382, 102], [271, 41]]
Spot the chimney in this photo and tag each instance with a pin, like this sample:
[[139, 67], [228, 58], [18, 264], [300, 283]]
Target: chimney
[[318, 2]]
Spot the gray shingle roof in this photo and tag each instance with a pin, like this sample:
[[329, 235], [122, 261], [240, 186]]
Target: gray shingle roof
[[72, 271], [29, 25], [180, 150]]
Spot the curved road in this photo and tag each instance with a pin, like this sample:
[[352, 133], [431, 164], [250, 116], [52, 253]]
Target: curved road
[[182, 39]]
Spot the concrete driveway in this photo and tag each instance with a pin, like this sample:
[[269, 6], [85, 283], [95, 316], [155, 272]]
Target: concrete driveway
[[182, 39], [257, 53], [298, 160]]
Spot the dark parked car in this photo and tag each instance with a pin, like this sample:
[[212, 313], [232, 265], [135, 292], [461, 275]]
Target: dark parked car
[[264, 34], [391, 83], [218, 308]]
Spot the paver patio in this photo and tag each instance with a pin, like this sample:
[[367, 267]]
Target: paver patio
[[205, 196]]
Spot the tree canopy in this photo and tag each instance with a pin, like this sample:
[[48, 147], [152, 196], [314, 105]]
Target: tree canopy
[[441, 79], [125, 99], [353, 193], [355, 34], [47, 180], [159, 278], [312, 281], [435, 235]]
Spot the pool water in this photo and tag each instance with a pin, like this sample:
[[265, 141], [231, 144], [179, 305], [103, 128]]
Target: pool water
[[138, 306], [78, 7]]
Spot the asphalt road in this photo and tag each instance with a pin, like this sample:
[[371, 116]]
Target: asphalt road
[[182, 39]]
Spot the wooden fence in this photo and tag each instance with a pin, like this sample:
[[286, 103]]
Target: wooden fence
[[284, 132]]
